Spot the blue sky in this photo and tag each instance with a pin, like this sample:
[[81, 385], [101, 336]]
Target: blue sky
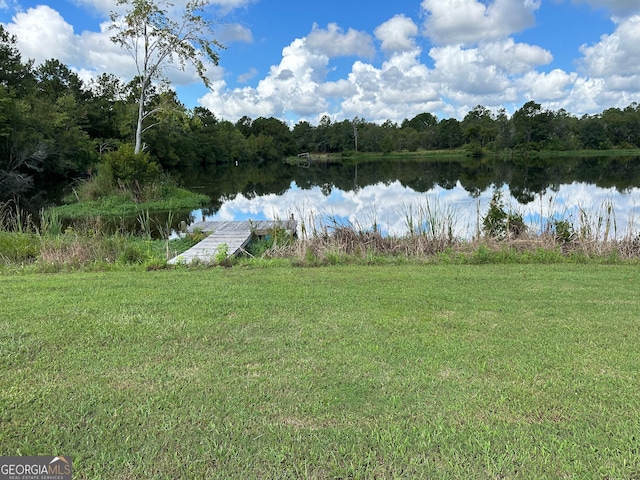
[[374, 59]]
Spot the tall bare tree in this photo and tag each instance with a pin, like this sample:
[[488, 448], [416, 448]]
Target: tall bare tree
[[156, 38]]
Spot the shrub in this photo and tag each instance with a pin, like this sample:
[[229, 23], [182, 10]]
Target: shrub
[[564, 231], [126, 167], [498, 223], [132, 254], [18, 247], [495, 221], [474, 150]]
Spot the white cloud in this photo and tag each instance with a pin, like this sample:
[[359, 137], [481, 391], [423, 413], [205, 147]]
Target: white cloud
[[332, 42], [227, 6], [43, 34], [298, 84], [610, 68], [102, 55], [552, 86], [463, 70], [397, 34], [584, 95], [245, 77], [615, 54], [401, 88], [617, 7], [101, 6], [291, 86], [513, 57], [472, 21], [341, 88], [234, 32]]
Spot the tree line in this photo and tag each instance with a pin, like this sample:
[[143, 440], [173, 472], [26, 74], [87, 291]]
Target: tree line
[[54, 128]]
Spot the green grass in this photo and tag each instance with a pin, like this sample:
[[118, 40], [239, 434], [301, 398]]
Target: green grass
[[439, 371], [461, 153], [71, 251], [121, 205], [631, 152]]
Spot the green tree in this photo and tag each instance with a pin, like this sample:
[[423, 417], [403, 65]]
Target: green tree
[[58, 119], [55, 79], [420, 132], [148, 32], [562, 129], [202, 130], [244, 125], [275, 139], [532, 126], [632, 117], [107, 112], [20, 158], [123, 165], [449, 133], [15, 76], [302, 135], [478, 126], [230, 145], [504, 131], [592, 133], [421, 122]]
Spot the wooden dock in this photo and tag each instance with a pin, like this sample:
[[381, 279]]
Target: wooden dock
[[229, 237]]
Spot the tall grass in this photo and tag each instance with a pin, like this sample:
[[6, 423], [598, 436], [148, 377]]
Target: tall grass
[[46, 245], [13, 218], [433, 230], [433, 234], [50, 223], [430, 220]]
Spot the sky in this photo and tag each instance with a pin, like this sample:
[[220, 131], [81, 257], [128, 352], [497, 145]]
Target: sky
[[376, 60]]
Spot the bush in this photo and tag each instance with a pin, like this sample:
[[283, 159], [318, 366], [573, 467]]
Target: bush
[[564, 231], [18, 247], [474, 150], [132, 254], [123, 172], [495, 221], [498, 222], [128, 168]]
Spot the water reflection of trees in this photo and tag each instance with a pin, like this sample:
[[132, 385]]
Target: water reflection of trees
[[525, 177]]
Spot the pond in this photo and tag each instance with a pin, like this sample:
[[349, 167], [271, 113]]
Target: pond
[[386, 194]]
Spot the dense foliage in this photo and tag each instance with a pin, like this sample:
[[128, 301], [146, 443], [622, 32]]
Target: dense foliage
[[55, 128]]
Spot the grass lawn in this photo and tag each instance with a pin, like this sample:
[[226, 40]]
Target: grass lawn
[[440, 371]]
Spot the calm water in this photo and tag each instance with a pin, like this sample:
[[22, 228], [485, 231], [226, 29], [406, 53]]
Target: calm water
[[383, 194]]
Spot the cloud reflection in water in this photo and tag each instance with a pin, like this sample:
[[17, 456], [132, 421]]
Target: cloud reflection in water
[[386, 205]]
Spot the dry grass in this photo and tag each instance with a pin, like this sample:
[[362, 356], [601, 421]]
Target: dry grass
[[346, 243], [431, 232]]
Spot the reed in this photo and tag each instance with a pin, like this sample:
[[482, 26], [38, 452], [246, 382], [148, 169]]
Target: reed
[[144, 220], [433, 233], [13, 218], [50, 223]]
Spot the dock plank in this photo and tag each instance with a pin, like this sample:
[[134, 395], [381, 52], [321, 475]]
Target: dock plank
[[235, 235]]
